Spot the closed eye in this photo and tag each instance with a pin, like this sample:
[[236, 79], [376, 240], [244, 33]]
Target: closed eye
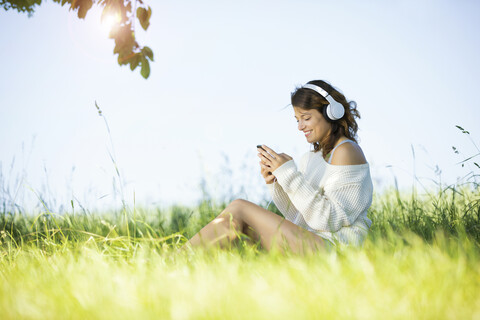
[[305, 119]]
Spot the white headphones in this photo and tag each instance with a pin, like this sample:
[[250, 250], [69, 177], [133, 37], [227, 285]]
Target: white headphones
[[334, 110]]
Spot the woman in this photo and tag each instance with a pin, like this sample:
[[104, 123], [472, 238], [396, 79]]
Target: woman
[[325, 202]]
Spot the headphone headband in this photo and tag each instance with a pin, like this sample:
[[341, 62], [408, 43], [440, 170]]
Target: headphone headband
[[335, 110], [322, 92]]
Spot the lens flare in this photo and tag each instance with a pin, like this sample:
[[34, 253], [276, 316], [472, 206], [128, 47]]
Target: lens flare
[[110, 21]]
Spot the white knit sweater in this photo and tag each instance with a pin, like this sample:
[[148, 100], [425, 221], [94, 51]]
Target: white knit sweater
[[329, 200]]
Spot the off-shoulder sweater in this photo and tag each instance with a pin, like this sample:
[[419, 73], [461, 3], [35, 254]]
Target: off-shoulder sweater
[[328, 200]]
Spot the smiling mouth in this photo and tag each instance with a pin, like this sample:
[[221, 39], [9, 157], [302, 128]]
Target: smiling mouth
[[308, 133]]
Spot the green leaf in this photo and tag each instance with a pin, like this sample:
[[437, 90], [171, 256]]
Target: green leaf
[[124, 43], [83, 7], [459, 127], [145, 72], [143, 16], [20, 5], [135, 61], [122, 60], [476, 165], [147, 52]]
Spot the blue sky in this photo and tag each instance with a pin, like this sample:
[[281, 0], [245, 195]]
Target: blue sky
[[219, 85]]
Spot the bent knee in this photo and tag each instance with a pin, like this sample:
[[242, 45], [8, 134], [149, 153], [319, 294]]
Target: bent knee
[[235, 208], [239, 202]]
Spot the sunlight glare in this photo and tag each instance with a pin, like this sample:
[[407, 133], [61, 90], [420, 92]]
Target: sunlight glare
[[108, 23]]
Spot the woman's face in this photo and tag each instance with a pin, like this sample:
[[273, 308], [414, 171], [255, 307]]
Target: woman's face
[[312, 123]]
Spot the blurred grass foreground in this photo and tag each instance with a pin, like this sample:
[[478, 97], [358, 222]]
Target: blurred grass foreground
[[420, 260]]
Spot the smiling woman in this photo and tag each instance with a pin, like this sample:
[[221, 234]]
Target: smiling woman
[[324, 202], [322, 111]]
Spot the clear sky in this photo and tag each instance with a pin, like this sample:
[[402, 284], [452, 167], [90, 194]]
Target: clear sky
[[220, 85]]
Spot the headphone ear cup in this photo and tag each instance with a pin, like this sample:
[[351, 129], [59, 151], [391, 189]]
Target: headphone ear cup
[[325, 114], [336, 110]]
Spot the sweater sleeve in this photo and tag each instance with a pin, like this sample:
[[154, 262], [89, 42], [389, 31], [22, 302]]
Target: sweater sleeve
[[346, 193], [282, 201]]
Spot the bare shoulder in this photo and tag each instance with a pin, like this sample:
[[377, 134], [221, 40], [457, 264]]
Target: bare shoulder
[[348, 154]]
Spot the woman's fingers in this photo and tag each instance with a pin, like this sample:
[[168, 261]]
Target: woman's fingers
[[273, 153], [264, 162], [268, 155], [265, 171], [263, 156], [264, 167]]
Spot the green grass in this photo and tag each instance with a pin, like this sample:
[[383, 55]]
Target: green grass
[[420, 260]]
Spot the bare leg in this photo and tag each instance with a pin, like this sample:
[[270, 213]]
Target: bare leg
[[260, 224], [220, 231], [277, 232]]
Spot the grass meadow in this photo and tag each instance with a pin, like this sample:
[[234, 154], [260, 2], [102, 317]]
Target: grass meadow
[[421, 260]]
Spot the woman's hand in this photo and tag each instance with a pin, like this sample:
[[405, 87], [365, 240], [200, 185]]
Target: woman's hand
[[266, 173], [271, 159]]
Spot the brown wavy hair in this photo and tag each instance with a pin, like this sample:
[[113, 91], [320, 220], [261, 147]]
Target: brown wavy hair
[[347, 126]]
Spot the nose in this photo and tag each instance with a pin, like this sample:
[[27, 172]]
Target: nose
[[301, 125]]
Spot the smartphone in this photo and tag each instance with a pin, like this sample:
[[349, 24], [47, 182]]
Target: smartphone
[[260, 146]]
